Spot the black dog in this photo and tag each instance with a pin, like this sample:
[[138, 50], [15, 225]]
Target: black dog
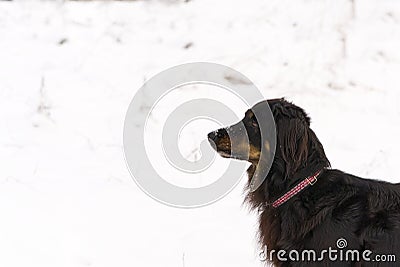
[[304, 205]]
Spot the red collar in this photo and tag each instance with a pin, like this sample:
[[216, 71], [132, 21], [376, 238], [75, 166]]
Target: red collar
[[311, 180]]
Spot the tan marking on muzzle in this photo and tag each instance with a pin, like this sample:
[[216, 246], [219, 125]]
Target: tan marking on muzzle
[[254, 153]]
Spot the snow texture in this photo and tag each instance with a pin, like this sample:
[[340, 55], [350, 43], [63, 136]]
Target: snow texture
[[70, 69]]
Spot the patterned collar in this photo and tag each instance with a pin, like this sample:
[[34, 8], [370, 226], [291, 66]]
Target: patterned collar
[[310, 180]]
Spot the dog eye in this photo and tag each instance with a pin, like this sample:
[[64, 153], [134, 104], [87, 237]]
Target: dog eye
[[254, 121]]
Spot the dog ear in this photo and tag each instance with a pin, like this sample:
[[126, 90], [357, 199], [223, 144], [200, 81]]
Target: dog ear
[[292, 140]]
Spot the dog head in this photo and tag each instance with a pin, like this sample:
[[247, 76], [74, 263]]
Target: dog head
[[243, 140], [295, 141]]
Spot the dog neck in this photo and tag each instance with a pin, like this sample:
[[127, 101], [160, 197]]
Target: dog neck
[[278, 185], [308, 181]]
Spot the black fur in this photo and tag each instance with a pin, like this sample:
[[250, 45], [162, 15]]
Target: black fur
[[365, 212]]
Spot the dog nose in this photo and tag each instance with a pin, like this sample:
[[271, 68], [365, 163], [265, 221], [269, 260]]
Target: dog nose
[[212, 136], [217, 135], [211, 139]]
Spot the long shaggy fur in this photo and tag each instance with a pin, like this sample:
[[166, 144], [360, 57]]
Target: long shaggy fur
[[365, 212]]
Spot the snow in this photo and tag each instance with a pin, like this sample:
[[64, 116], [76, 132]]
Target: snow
[[70, 69]]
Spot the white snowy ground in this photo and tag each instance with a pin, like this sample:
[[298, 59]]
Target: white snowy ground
[[68, 71]]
